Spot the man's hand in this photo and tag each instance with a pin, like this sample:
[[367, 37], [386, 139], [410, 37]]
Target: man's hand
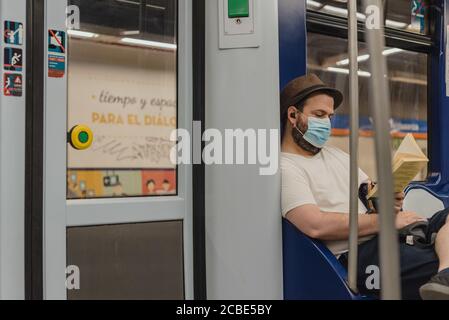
[[398, 201], [404, 219]]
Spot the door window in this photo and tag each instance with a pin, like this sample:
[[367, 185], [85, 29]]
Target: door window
[[122, 84], [405, 15], [407, 78]]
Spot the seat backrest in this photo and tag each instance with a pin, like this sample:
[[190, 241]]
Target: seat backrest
[[421, 200], [311, 271]]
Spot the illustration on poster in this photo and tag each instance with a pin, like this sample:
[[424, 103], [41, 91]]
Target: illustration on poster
[[54, 40], [16, 58]]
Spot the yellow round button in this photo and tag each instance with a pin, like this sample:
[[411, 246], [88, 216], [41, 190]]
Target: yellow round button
[[81, 137]]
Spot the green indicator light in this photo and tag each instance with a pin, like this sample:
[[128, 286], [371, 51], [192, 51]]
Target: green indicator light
[[238, 8], [83, 137]]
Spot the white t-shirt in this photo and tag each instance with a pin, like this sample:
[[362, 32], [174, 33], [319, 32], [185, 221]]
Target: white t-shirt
[[321, 180]]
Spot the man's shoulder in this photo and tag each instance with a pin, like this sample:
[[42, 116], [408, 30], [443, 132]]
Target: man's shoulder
[[292, 163], [328, 153], [335, 152], [288, 159]]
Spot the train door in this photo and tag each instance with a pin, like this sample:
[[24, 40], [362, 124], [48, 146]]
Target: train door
[[116, 211], [12, 148]]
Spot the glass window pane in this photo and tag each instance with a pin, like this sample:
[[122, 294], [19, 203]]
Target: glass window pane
[[407, 75], [122, 84], [406, 15]]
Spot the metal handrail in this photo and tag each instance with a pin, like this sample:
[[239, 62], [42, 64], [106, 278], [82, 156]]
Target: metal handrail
[[380, 97], [354, 145]]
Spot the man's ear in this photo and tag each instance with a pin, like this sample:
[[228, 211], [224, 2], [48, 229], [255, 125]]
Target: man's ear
[[292, 113]]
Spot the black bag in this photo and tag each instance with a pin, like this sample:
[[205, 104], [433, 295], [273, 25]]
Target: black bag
[[416, 234]]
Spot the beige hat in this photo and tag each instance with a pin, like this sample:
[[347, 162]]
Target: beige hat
[[299, 89]]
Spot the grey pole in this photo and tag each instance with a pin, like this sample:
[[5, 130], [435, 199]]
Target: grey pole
[[380, 103], [354, 144]]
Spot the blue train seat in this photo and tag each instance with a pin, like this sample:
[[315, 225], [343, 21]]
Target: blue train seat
[[423, 200], [311, 271]]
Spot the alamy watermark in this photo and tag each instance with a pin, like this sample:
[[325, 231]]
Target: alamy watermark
[[372, 282], [73, 278], [373, 17], [227, 147], [73, 17]]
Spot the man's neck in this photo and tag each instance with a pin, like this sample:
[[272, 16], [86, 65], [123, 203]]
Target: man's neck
[[290, 146]]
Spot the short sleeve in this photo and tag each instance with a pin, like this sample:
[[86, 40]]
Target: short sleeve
[[363, 177], [296, 189]]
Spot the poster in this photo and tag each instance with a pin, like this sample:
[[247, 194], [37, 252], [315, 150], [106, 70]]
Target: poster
[[131, 110], [88, 184]]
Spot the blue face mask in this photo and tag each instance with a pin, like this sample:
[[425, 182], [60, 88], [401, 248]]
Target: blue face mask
[[318, 132]]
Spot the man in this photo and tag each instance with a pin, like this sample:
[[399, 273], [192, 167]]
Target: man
[[315, 195]]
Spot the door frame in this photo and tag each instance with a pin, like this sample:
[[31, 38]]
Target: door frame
[[41, 247], [34, 150], [12, 160], [199, 171]]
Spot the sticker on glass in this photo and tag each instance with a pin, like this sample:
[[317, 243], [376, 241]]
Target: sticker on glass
[[56, 41], [13, 33], [419, 16], [12, 59], [12, 85], [56, 66]]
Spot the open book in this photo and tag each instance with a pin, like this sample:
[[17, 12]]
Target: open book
[[408, 162]]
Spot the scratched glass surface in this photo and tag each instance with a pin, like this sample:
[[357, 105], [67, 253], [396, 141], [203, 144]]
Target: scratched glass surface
[[407, 79], [122, 84], [403, 15]]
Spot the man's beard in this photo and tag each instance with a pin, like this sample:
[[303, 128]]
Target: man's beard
[[302, 143]]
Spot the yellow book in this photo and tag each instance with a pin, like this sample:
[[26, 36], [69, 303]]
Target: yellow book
[[408, 162]]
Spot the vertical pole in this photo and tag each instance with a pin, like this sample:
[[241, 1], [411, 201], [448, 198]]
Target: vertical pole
[[354, 144], [380, 98]]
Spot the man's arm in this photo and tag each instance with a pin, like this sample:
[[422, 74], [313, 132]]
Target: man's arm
[[328, 225], [335, 226]]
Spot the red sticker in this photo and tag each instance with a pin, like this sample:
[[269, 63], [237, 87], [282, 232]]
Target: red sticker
[[12, 85]]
